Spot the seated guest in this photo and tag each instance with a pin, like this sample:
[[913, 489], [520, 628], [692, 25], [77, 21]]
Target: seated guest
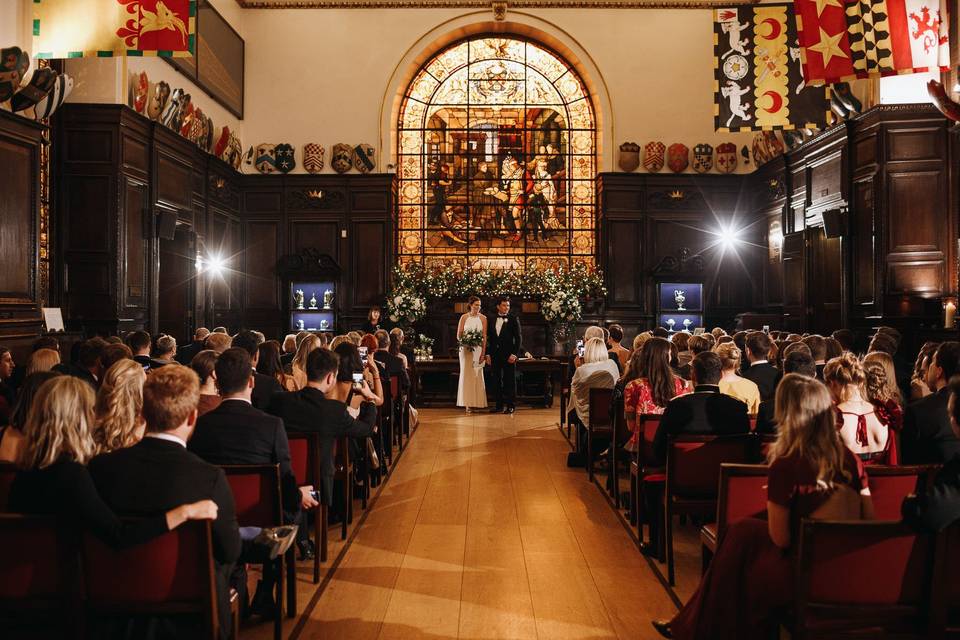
[[717, 333], [269, 364], [158, 472], [20, 370], [834, 348], [139, 343], [118, 419], [596, 371], [795, 346], [614, 345], [811, 475], [309, 344], [760, 371], [7, 396], [236, 432], [638, 340], [655, 386], [918, 378], [939, 506], [394, 350], [696, 344], [408, 355], [11, 436], [186, 353], [355, 337], [374, 374], [372, 325], [114, 353], [53, 478], [881, 386], [373, 377], [165, 352], [217, 341], [42, 360], [800, 362], [88, 363], [927, 436], [865, 430], [204, 364], [818, 349], [706, 411], [733, 385], [844, 337], [266, 386], [682, 340], [392, 363], [321, 407], [289, 349]]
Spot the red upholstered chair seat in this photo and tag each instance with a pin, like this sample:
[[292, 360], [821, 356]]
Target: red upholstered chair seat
[[890, 485], [32, 565]]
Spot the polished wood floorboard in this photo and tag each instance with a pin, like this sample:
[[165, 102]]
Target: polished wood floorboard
[[483, 532]]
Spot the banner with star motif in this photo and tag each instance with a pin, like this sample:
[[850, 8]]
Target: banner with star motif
[[105, 28], [758, 83], [847, 39]]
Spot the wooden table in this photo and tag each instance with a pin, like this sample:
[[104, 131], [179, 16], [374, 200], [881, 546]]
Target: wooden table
[[435, 381]]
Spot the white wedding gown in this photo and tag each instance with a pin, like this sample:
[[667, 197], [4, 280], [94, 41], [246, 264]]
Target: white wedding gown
[[471, 392]]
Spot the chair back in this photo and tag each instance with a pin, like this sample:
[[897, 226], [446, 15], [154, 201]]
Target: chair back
[[8, 471], [601, 407], [890, 485], [869, 571], [742, 493], [766, 443], [303, 456], [35, 561], [649, 423], [173, 573], [256, 493], [693, 462], [394, 386]]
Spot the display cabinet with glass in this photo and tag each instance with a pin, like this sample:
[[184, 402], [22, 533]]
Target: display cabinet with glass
[[680, 306], [313, 305]]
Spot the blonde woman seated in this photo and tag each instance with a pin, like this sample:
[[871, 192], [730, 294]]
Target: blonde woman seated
[[596, 371], [118, 422], [299, 367], [42, 360], [812, 475], [863, 428], [733, 385]]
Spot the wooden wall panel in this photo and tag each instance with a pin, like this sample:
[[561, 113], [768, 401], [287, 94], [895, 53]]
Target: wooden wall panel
[[906, 144], [915, 211], [773, 267], [136, 196], [261, 252], [89, 204], [863, 232], [624, 258], [368, 248], [17, 220], [310, 234]]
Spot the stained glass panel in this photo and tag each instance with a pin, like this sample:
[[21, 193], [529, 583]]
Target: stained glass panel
[[496, 166]]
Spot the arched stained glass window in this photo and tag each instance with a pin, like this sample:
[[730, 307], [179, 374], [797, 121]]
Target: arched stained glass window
[[497, 158]]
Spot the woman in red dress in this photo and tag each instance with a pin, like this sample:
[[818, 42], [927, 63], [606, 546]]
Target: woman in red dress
[[654, 386], [866, 428], [812, 475]]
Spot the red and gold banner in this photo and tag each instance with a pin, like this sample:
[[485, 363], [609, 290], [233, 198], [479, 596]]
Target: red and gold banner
[[847, 39], [104, 28]]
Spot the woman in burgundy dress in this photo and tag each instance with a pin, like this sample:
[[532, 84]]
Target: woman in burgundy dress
[[812, 475], [866, 428]]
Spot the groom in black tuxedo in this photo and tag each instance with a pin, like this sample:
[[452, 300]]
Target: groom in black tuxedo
[[503, 349]]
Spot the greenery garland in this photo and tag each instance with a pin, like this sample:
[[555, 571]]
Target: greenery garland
[[559, 290]]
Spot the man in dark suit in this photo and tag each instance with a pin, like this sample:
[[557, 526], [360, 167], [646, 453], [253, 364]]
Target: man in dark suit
[[186, 352], [264, 387], [140, 342], [158, 473], [238, 433], [927, 436], [88, 363], [798, 361], [706, 411], [504, 347], [761, 372], [392, 364], [818, 349], [321, 407]]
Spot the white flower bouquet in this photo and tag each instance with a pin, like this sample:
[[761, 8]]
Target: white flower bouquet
[[471, 339], [561, 308], [405, 307]]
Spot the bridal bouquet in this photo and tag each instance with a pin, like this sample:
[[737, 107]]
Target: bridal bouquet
[[471, 339]]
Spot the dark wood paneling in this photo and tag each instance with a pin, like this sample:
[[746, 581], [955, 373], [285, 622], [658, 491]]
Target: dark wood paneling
[[863, 230], [368, 249], [89, 145], [173, 176], [773, 268], [915, 144], [323, 236], [136, 196], [261, 252], [175, 285], [135, 154], [262, 201], [915, 207], [89, 204], [825, 286], [17, 220], [916, 277], [625, 258]]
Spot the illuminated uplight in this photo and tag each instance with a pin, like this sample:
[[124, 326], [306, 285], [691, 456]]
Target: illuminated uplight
[[729, 238], [216, 265]]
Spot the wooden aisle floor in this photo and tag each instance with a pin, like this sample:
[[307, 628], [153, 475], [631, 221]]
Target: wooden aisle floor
[[483, 532]]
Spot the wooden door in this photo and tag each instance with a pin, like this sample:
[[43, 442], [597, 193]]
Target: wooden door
[[177, 281]]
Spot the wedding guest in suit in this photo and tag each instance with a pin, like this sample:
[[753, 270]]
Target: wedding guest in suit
[[760, 371], [927, 435], [139, 342], [88, 363], [217, 341], [118, 420], [158, 472], [165, 352], [114, 353], [391, 362], [706, 411], [818, 349], [800, 362], [186, 353], [504, 348], [265, 386]]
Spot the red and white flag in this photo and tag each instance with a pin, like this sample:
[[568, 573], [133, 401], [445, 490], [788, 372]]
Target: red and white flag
[[846, 39]]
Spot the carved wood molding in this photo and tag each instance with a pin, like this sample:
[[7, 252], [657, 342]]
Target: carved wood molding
[[478, 4], [679, 199], [307, 199]]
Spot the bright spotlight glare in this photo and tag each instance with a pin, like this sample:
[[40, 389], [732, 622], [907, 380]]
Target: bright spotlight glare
[[729, 237], [216, 265]]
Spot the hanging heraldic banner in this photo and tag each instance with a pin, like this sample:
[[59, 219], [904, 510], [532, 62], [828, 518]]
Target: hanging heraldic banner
[[758, 82], [104, 28], [863, 38]]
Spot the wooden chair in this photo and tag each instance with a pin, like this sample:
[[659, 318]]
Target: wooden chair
[[171, 574], [601, 421], [401, 417], [305, 461], [618, 433], [256, 494], [344, 471], [692, 478], [864, 579], [643, 467], [890, 485], [742, 493], [8, 471], [947, 602]]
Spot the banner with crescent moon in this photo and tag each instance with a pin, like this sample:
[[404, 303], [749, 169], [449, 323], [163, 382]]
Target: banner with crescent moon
[[758, 80]]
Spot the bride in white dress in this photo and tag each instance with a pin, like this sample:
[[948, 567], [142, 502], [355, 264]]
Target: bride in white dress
[[471, 392]]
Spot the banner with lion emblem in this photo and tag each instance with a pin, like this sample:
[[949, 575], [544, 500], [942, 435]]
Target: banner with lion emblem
[[114, 28], [758, 79]]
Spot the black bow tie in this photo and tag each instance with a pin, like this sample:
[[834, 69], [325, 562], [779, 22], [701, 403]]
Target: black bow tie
[[504, 317]]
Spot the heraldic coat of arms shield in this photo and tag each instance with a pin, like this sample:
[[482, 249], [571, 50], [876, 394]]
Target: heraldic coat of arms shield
[[313, 157], [629, 156], [702, 158], [726, 157], [678, 157], [364, 158], [341, 157], [265, 158], [653, 156], [286, 161]]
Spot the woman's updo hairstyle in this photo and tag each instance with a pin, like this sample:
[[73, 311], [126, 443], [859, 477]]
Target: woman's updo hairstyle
[[729, 355], [845, 370]]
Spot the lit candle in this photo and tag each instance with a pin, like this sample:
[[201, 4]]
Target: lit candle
[[950, 315]]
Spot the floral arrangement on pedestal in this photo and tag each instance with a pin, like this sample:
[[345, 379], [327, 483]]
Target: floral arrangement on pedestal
[[424, 348], [405, 307], [562, 291]]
